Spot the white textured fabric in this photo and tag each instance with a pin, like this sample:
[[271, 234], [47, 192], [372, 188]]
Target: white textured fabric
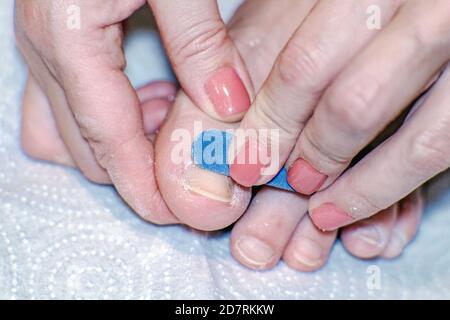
[[62, 237]]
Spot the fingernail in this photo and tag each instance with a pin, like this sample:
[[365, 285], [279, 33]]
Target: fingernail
[[246, 169], [209, 184], [255, 252], [328, 217], [304, 178], [370, 235], [308, 252], [227, 92]]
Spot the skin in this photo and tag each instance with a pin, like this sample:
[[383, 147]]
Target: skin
[[285, 229], [329, 97]]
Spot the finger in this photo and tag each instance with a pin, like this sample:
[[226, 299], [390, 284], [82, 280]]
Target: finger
[[311, 59], [365, 97], [258, 239], [419, 150], [260, 30], [204, 58], [39, 135], [368, 238], [114, 130], [309, 248], [92, 99], [66, 126], [406, 226]]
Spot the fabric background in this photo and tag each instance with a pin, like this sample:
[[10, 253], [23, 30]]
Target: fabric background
[[62, 237]]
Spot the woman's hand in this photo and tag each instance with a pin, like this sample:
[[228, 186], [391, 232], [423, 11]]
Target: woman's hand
[[74, 53], [337, 85]]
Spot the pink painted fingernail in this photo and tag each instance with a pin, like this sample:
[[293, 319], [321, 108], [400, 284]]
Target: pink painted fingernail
[[328, 217], [227, 92], [304, 178], [246, 169]]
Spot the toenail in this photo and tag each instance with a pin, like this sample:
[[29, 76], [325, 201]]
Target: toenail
[[397, 243], [255, 252], [308, 252], [370, 235], [209, 184]]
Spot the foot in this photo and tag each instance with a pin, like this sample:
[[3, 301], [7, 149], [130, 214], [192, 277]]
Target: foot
[[276, 225]]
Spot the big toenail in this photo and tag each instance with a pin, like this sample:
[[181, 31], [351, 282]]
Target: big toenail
[[208, 184], [370, 235], [255, 252], [308, 252]]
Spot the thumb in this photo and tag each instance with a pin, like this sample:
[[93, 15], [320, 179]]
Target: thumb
[[204, 57]]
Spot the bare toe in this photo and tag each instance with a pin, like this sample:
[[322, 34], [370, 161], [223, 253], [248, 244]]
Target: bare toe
[[408, 221], [367, 238], [258, 239], [200, 199], [309, 247]]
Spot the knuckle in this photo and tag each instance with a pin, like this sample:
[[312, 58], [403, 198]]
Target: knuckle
[[352, 108], [430, 28], [364, 205], [268, 115], [429, 153], [102, 141], [325, 160], [302, 65], [95, 174], [205, 39]]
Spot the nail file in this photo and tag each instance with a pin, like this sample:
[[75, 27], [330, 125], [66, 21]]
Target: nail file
[[209, 152]]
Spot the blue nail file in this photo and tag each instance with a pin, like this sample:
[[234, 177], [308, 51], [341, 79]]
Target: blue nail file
[[209, 151]]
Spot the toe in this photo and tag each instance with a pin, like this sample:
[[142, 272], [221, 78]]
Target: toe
[[408, 221], [309, 247], [156, 99], [258, 239], [40, 136], [367, 238], [200, 199]]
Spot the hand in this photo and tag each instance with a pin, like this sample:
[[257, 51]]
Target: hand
[[205, 60], [284, 229], [337, 85], [97, 112]]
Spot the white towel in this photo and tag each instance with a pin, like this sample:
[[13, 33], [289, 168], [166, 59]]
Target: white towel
[[63, 237]]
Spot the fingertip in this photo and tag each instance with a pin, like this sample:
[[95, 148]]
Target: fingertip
[[304, 178], [227, 94], [329, 217]]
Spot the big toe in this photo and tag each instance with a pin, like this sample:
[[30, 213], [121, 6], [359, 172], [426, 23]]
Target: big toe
[[199, 198]]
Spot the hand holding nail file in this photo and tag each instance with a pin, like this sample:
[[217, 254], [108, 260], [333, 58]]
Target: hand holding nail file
[[209, 152]]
